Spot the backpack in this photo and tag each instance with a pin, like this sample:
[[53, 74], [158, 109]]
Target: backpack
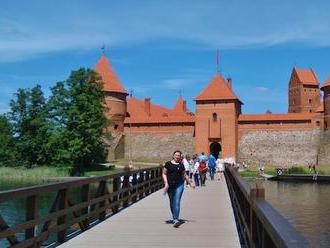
[[202, 167]]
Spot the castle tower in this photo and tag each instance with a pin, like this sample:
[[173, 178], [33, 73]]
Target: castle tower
[[115, 94], [326, 101], [180, 107], [304, 91], [217, 110]]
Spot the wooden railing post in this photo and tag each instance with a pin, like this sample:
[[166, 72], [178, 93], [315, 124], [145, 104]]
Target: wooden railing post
[[256, 192], [85, 198], [116, 186], [152, 177], [134, 182], [126, 193], [31, 214], [141, 188], [61, 235], [102, 192], [147, 185]]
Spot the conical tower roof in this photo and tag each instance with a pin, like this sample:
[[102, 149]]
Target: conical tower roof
[[109, 78], [217, 89], [326, 83], [180, 106]]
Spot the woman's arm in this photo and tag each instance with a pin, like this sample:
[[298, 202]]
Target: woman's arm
[[164, 175]]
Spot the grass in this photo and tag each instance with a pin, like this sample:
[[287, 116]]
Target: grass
[[38, 172], [254, 172], [139, 160], [47, 171], [271, 170], [101, 171]]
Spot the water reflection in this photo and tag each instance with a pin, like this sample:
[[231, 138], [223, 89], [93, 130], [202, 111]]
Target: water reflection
[[305, 205]]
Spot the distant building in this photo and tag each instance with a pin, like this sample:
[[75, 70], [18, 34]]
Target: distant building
[[142, 129]]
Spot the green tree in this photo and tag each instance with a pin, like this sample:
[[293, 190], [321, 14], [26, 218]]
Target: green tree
[[7, 147], [28, 115], [77, 109]]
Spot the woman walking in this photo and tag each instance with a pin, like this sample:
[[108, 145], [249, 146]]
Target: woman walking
[[174, 176]]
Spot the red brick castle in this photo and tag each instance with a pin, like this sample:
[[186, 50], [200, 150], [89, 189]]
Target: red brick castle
[[142, 129]]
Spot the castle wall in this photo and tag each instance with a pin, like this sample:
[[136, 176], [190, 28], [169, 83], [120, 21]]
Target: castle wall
[[157, 145], [324, 149], [279, 148]]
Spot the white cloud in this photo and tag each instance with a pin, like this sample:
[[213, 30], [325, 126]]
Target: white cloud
[[261, 89], [49, 27], [173, 84]]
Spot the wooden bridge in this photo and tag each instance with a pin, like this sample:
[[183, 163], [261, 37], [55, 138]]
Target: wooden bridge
[[129, 210], [207, 212]]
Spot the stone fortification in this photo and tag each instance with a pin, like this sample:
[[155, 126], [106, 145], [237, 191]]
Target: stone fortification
[[157, 145], [324, 149], [292, 148]]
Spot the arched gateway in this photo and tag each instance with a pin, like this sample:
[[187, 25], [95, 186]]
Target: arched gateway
[[215, 149]]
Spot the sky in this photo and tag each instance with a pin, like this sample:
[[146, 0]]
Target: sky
[[161, 49]]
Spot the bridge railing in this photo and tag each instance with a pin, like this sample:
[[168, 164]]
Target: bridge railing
[[77, 204], [260, 225]]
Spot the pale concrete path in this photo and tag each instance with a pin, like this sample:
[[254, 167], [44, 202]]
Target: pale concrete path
[[207, 211]]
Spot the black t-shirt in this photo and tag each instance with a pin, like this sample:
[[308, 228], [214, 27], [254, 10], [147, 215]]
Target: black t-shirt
[[174, 173]]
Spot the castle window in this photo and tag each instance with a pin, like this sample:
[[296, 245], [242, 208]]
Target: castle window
[[310, 111], [309, 101], [318, 123], [116, 126], [214, 117]]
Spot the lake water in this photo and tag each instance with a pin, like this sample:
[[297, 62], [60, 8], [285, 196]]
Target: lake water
[[305, 205]]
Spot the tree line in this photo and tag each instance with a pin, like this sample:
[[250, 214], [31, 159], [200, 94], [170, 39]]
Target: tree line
[[65, 130]]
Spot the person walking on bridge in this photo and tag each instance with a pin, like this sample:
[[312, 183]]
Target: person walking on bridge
[[211, 165], [174, 176]]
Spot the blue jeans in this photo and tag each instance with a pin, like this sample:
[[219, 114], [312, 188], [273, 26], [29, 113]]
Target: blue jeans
[[212, 172], [175, 193]]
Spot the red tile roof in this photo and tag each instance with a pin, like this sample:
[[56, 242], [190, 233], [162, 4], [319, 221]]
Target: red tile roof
[[138, 114], [326, 83], [307, 76], [154, 120], [180, 106], [109, 78], [217, 89], [275, 117]]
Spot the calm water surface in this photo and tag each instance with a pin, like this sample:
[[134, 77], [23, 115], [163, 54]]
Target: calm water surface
[[305, 205]]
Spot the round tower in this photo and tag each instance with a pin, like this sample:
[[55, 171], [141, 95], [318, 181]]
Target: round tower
[[115, 94], [326, 101]]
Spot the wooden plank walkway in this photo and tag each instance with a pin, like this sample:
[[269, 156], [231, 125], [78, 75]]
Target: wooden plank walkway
[[207, 211]]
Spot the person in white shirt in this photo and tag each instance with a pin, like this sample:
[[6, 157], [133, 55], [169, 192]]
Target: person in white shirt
[[196, 173], [220, 168], [185, 162]]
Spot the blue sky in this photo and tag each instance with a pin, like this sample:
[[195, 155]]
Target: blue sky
[[159, 48]]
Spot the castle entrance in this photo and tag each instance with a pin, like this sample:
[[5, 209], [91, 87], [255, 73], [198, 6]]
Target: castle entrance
[[215, 149]]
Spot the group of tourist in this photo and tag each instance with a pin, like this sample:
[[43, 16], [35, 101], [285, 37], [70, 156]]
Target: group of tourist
[[197, 167], [193, 171]]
